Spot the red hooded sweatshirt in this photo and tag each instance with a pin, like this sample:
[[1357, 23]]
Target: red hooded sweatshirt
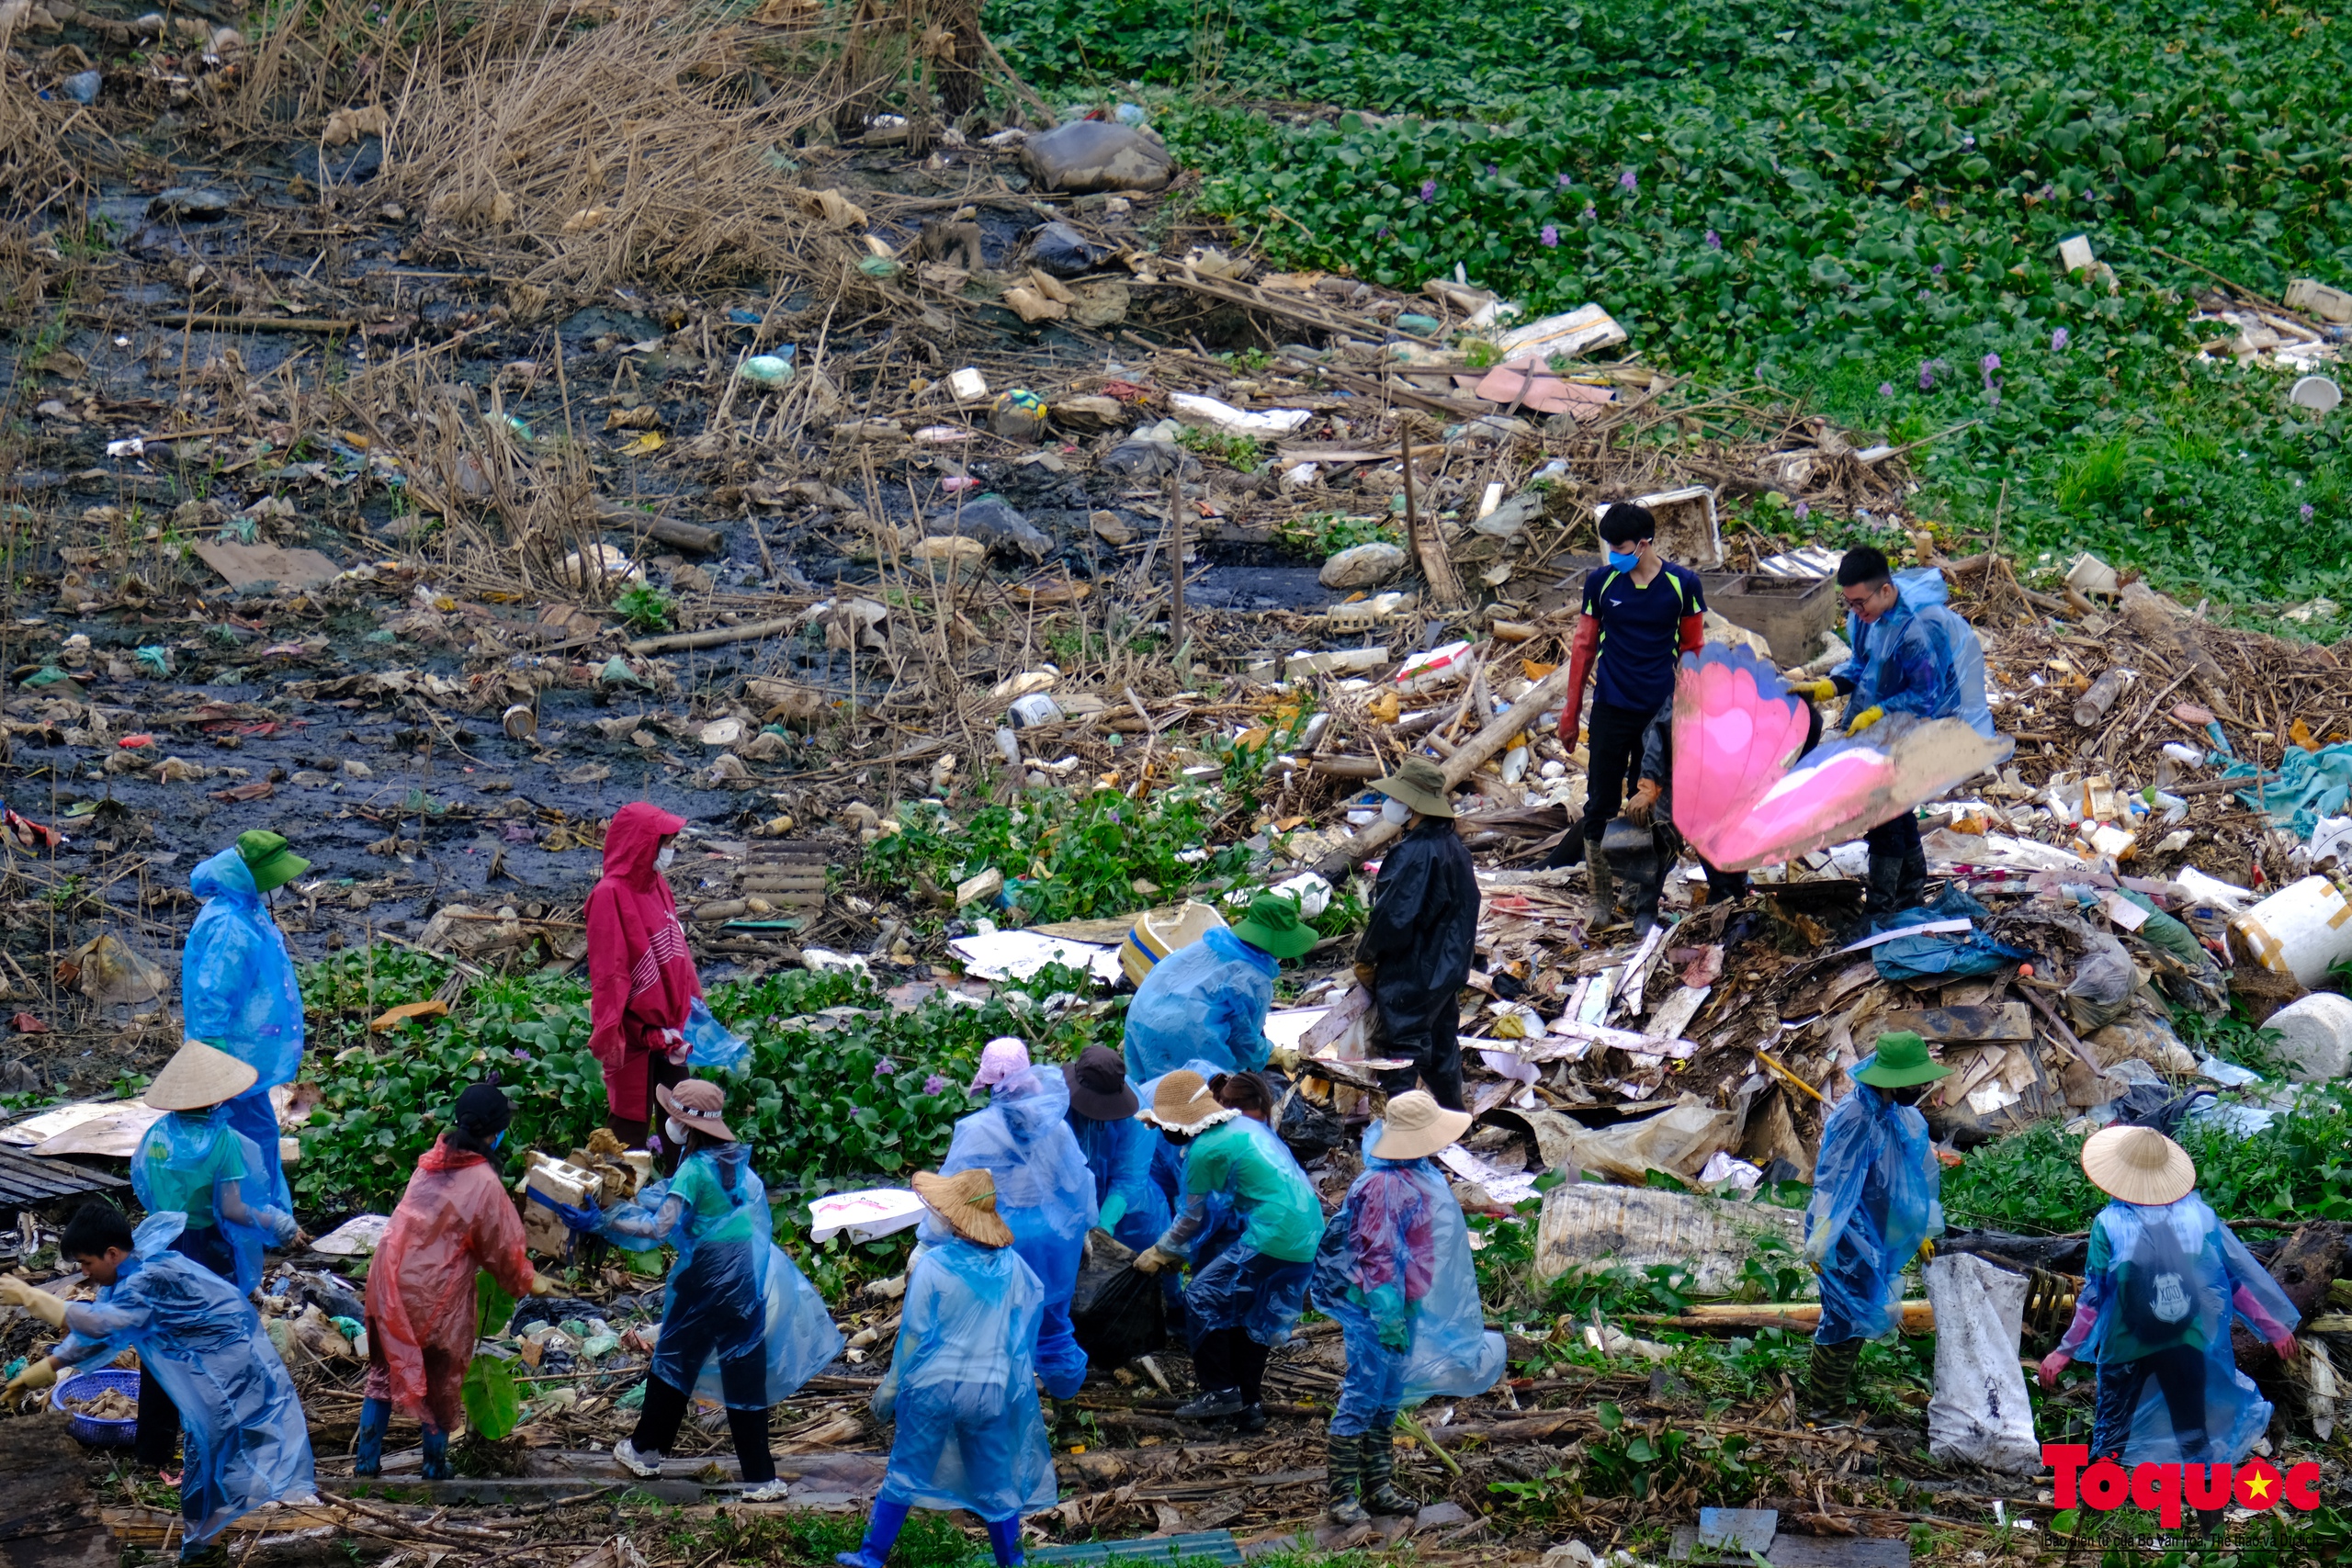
[[640, 976]]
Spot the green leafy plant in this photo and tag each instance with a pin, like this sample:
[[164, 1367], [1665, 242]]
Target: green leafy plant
[[1241, 452], [645, 608], [1322, 533], [493, 1403]]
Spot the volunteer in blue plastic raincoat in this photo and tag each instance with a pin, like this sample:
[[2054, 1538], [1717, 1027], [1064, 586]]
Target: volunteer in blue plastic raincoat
[[1043, 1190], [1911, 654], [193, 1163], [1207, 1002], [238, 992], [962, 1385], [1877, 1201], [246, 1441], [2162, 1283], [1118, 1149], [1240, 1305], [1395, 1272], [740, 1323]]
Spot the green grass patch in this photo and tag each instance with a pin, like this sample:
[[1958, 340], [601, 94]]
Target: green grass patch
[[1858, 206]]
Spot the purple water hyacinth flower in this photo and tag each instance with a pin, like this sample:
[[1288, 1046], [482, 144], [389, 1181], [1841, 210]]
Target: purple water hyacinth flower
[[1493, 169], [1383, 234], [933, 1084], [1714, 240], [653, 1144], [1550, 234], [1989, 363], [2058, 340], [1591, 213], [1627, 183], [883, 1068], [1937, 270], [1804, 509], [1428, 190], [1566, 182], [1985, 366], [2306, 512], [1886, 389], [1926, 376]]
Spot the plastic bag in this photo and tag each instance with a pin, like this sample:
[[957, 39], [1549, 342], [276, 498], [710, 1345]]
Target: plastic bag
[[1117, 1313], [243, 1439], [962, 1383], [1877, 1194], [1979, 1411], [1092, 155], [994, 521], [1677, 1141], [2185, 1266], [1208, 1002], [713, 1044], [2101, 990]]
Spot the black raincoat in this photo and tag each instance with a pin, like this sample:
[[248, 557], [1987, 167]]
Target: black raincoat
[[1424, 920]]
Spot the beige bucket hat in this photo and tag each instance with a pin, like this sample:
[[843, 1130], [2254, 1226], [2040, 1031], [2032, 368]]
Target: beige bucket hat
[[1418, 1126]]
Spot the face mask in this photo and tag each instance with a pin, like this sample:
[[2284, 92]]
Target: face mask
[[1620, 561], [675, 1133], [1396, 811], [661, 862], [498, 1139]]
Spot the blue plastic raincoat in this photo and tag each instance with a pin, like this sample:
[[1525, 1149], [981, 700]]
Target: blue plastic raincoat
[[1877, 1194], [962, 1383], [1393, 1270], [1917, 658], [733, 1291], [238, 993], [1044, 1190], [2165, 1281], [1132, 1204], [1206, 1001], [243, 1439], [194, 1163]]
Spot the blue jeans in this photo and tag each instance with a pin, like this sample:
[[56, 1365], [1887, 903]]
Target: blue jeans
[[1375, 1383]]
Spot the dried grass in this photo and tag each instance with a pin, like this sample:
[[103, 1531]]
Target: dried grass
[[630, 151]]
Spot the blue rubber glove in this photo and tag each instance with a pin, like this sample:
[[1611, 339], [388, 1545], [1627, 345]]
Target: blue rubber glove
[[586, 1217]]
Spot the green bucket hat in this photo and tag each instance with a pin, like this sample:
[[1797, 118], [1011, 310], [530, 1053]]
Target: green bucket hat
[[1419, 783], [267, 856], [1272, 926], [1902, 1061]]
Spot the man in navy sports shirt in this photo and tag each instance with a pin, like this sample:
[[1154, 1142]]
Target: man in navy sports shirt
[[1640, 615]]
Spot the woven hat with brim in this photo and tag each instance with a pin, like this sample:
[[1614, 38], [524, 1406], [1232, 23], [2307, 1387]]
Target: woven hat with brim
[[1418, 1126], [2138, 1164], [1099, 1089], [695, 1103], [1902, 1061], [198, 1075], [1181, 1103], [1272, 926], [967, 1200], [271, 862], [1419, 783]]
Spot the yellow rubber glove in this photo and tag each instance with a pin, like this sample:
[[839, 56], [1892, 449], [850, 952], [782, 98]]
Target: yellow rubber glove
[[1819, 691], [1151, 1260], [1864, 719], [36, 1376], [1926, 1251], [546, 1285], [41, 1303]]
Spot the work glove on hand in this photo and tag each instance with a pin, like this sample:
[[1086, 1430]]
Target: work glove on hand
[[1397, 1336], [2285, 1346], [49, 1309], [1645, 801], [1366, 973], [586, 1217], [1864, 719], [672, 1044], [1926, 1251], [36, 1376], [546, 1285], [1114, 1209], [1819, 691], [1151, 1259], [2052, 1365]]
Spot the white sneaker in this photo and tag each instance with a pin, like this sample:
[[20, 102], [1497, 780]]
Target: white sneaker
[[769, 1491], [626, 1454]]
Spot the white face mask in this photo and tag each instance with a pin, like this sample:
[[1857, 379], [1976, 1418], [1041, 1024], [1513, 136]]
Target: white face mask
[[661, 862], [1397, 811], [672, 1131]]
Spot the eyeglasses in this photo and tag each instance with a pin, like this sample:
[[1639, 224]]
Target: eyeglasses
[[1857, 598]]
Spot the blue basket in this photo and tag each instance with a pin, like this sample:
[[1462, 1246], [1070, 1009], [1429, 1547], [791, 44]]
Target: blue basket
[[90, 1428]]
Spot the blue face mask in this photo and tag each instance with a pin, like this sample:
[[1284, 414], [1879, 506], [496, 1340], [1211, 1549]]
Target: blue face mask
[[1619, 561], [498, 1139]]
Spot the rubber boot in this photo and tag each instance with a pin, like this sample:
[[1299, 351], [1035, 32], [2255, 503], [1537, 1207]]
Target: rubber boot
[[1343, 1481], [436, 1456], [374, 1419], [1829, 1390], [881, 1534], [1005, 1540], [1602, 881], [1882, 895], [1380, 1493], [1911, 880]]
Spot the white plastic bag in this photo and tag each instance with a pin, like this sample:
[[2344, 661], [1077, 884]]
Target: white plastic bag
[[1979, 1411]]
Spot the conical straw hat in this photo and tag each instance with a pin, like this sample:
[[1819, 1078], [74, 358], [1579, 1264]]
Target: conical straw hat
[[198, 1075], [967, 1200], [2138, 1164]]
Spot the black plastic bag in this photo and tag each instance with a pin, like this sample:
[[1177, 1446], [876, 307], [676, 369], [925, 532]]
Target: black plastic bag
[[1123, 1315]]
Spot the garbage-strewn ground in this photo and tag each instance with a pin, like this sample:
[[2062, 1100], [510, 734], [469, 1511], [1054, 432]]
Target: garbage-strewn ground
[[643, 381]]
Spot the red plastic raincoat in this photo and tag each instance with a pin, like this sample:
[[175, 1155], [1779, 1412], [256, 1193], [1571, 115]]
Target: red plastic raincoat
[[454, 1219], [640, 976]]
